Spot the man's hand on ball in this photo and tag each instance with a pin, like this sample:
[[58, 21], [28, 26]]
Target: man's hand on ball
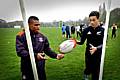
[[60, 56]]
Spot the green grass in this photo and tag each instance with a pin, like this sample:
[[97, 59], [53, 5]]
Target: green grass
[[112, 58], [69, 68]]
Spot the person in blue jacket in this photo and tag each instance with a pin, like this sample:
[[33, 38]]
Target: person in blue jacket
[[63, 30], [94, 35], [40, 46]]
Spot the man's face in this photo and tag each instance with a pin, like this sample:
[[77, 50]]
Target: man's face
[[34, 26], [94, 22]]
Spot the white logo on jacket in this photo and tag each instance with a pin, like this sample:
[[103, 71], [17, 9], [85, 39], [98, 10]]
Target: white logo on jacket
[[89, 32], [99, 33], [40, 39]]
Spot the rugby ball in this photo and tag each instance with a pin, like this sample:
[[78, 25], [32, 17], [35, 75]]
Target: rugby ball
[[67, 46]]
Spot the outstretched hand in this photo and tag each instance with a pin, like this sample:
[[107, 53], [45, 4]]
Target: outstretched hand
[[60, 56], [78, 42]]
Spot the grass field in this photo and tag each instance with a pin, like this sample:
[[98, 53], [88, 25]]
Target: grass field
[[69, 68], [112, 58]]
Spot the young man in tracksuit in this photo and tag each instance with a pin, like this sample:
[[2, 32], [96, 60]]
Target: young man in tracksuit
[[40, 46], [94, 35]]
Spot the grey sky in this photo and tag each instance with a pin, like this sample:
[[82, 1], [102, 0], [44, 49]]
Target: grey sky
[[49, 10]]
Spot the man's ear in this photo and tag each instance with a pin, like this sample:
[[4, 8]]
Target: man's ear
[[30, 25]]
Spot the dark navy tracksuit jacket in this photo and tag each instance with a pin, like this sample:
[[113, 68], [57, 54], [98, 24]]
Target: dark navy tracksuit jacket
[[94, 37], [40, 44]]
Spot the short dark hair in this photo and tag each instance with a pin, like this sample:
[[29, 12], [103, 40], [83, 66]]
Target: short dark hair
[[32, 18], [94, 13]]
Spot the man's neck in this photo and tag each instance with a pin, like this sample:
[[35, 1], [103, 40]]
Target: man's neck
[[96, 27]]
